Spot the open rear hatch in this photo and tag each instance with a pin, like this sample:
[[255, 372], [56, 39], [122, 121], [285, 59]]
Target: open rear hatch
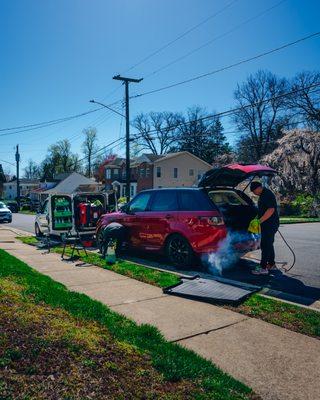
[[233, 174], [236, 207]]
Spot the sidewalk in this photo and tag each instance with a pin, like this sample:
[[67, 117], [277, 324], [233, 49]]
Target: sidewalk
[[276, 363]]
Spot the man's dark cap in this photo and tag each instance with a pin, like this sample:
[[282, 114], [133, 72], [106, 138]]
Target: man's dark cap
[[255, 185]]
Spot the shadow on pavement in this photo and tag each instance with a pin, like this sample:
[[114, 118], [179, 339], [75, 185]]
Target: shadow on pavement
[[274, 283]]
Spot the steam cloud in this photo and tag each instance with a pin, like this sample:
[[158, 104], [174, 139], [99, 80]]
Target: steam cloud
[[229, 251]]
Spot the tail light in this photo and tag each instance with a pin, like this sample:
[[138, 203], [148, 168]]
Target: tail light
[[212, 220]]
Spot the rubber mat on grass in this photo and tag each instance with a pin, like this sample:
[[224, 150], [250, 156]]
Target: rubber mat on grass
[[212, 290]]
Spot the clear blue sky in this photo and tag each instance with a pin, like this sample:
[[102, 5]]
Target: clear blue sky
[[57, 54]]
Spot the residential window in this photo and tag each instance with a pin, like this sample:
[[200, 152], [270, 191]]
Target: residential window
[[147, 172], [191, 172], [131, 190], [175, 172], [108, 173], [142, 172], [116, 172], [158, 172]]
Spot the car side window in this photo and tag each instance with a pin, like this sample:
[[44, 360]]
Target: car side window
[[165, 200], [140, 203], [190, 200]]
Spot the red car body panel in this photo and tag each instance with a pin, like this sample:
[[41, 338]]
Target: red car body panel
[[149, 230]]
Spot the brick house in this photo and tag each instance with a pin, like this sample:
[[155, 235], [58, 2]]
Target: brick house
[[151, 171]]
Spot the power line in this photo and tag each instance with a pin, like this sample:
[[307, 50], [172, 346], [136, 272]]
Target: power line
[[234, 110], [40, 125], [7, 162], [229, 66], [50, 122], [247, 21], [181, 36]]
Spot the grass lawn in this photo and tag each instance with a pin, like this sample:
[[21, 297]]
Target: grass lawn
[[286, 315], [56, 343], [297, 220], [28, 212]]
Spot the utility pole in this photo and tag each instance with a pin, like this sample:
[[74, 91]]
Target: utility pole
[[126, 81], [18, 179]]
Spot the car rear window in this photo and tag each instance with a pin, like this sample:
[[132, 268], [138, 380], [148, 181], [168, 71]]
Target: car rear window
[[164, 200], [225, 197], [194, 200]]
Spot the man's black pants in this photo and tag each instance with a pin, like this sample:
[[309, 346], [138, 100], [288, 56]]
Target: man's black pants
[[267, 249]]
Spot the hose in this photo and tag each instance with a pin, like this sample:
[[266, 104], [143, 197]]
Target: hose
[[283, 263], [292, 252]]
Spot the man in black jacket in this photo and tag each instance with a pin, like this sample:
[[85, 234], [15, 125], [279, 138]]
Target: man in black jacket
[[269, 220]]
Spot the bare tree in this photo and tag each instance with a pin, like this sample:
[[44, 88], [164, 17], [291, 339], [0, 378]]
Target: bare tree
[[262, 122], [31, 171], [201, 136], [156, 131], [305, 102], [297, 160], [59, 159], [89, 146]]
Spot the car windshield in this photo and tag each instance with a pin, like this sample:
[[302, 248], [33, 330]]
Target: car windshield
[[225, 197]]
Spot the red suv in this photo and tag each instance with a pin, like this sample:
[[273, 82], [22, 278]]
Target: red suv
[[184, 222]]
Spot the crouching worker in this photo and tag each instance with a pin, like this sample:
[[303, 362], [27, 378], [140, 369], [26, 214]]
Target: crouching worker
[[114, 236], [269, 220]]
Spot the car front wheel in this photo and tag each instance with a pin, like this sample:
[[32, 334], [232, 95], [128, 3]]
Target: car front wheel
[[179, 251]]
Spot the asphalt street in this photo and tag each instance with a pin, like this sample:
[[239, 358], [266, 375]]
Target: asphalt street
[[302, 280]]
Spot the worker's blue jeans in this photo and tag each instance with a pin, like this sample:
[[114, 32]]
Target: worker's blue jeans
[[267, 249]]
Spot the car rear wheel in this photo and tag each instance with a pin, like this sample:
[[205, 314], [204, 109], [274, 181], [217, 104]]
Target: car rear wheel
[[179, 251], [37, 230]]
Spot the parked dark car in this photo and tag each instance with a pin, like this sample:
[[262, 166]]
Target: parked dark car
[[184, 222], [13, 206]]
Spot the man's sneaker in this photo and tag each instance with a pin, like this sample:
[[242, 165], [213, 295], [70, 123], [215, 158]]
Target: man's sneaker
[[272, 267], [260, 271]]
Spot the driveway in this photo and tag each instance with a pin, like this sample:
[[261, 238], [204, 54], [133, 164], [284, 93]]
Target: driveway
[[23, 221], [302, 280]]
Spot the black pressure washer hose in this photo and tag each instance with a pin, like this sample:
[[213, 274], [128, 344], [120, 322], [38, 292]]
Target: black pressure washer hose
[[283, 263], [292, 252]]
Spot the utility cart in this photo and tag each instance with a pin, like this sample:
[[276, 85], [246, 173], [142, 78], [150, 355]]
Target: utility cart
[[79, 212]]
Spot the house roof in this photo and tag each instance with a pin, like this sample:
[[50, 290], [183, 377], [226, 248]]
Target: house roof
[[147, 158], [180, 153], [71, 184], [117, 162]]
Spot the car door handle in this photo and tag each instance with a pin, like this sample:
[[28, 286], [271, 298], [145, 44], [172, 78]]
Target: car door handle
[[168, 216]]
